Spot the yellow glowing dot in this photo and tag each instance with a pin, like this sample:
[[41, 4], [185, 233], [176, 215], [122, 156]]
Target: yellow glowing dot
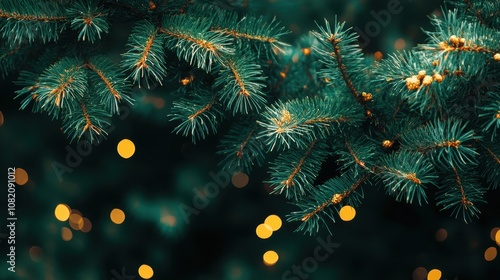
[[36, 253], [117, 216], [264, 231], [434, 274], [145, 271], [270, 258], [497, 237], [21, 176], [419, 273], [87, 225], [441, 234], [347, 213], [1, 118], [490, 254], [378, 55], [493, 232], [239, 179], [66, 234], [126, 148], [62, 212], [76, 221], [274, 222]]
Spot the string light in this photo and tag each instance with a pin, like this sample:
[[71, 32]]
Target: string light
[[145, 271], [347, 213], [274, 221], [490, 254], [264, 231], [62, 212], [126, 148], [434, 274], [117, 216], [270, 258], [21, 176]]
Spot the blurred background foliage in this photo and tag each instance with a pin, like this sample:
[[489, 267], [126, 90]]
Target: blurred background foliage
[[386, 240]]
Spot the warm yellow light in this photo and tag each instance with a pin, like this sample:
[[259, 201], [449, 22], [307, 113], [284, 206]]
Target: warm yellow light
[[347, 213], [274, 222], [66, 234], [87, 225], [62, 212], [441, 234], [126, 148], [434, 274], [270, 258], [21, 176], [493, 232], [145, 271], [264, 231], [497, 237], [117, 216], [239, 179], [76, 221], [490, 254]]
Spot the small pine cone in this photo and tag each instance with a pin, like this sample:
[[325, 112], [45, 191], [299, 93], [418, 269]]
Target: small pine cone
[[461, 42], [413, 83], [427, 81], [454, 40], [421, 74]]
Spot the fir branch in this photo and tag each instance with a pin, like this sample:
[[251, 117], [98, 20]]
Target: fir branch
[[146, 54], [193, 41], [87, 120], [112, 87], [90, 19], [242, 82]]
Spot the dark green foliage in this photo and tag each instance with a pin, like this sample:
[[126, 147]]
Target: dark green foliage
[[419, 118]]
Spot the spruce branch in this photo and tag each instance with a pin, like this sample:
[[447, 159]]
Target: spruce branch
[[89, 19]]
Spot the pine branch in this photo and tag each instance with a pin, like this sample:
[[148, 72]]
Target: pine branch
[[90, 19]]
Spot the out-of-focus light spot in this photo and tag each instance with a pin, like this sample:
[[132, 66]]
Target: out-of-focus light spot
[[441, 234], [274, 221], [87, 225], [168, 220], [306, 51], [497, 237], [378, 55], [264, 231], [117, 216], [420, 273], [126, 148], [400, 44], [36, 253], [434, 274], [66, 234], [493, 232], [76, 221], [347, 213], [490, 254], [62, 212], [21, 176], [270, 258], [240, 179], [145, 271], [1, 118]]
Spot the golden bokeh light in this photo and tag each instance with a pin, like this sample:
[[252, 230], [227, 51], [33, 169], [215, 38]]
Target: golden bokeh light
[[399, 44], [347, 213], [117, 216], [1, 118], [420, 273], [66, 234], [21, 176], [270, 258], [434, 274], [490, 254], [497, 237], [87, 225], [493, 232], [378, 55], [274, 221], [264, 231], [126, 148], [36, 253], [62, 212], [145, 271], [240, 179], [441, 235], [76, 221]]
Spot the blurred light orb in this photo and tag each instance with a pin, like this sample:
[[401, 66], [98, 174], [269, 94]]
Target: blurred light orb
[[126, 148]]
